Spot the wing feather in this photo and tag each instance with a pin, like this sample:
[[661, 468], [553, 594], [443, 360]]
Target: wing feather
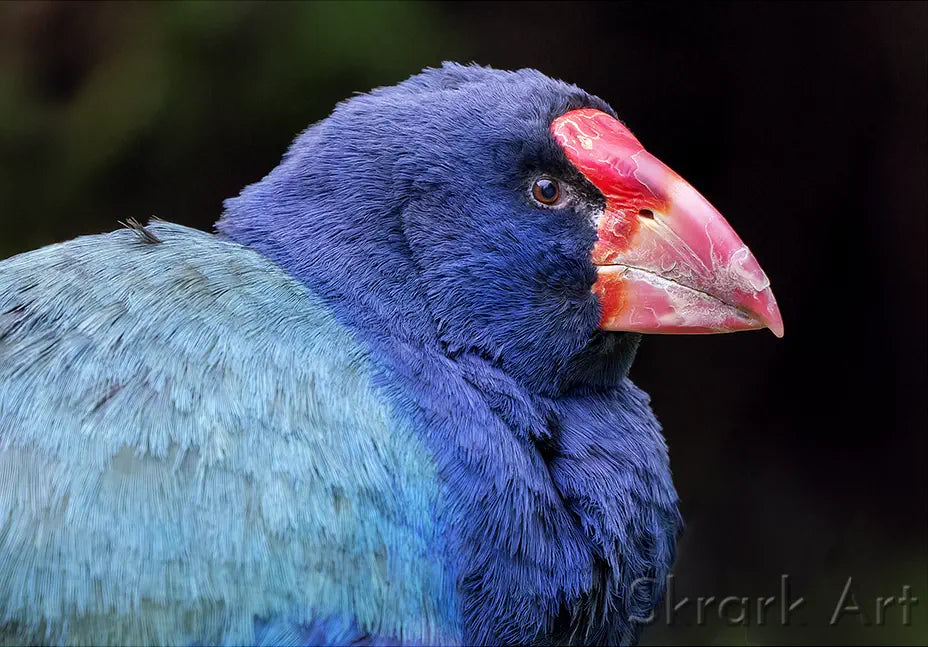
[[189, 441]]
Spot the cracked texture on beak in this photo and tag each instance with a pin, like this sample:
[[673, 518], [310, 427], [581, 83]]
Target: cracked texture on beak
[[667, 261]]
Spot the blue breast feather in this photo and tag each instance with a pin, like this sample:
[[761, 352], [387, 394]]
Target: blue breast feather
[[190, 442], [562, 513]]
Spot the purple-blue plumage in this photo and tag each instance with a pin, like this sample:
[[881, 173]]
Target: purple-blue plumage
[[408, 212]]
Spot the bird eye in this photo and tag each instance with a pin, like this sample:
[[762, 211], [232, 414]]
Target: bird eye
[[546, 191]]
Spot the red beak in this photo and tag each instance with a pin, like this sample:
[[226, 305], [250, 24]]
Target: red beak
[[668, 262]]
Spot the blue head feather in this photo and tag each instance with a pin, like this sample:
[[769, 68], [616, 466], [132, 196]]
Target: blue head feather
[[412, 203], [408, 211]]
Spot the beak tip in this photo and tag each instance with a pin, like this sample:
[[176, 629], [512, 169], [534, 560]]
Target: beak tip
[[774, 321], [762, 307]]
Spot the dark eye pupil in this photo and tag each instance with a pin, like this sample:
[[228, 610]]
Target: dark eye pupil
[[546, 191]]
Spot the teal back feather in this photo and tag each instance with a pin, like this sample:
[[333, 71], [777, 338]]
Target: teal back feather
[[186, 434]]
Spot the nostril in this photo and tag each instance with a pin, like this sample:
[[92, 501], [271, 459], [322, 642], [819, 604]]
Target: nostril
[[646, 213]]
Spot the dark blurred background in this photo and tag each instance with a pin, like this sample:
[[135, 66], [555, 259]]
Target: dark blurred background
[[804, 124]]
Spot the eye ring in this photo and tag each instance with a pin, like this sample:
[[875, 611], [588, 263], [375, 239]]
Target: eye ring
[[546, 191]]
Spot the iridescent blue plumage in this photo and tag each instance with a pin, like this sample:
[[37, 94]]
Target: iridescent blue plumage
[[376, 408]]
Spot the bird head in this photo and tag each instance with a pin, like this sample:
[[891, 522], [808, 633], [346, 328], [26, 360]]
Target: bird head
[[504, 213]]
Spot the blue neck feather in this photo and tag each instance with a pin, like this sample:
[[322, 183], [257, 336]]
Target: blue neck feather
[[556, 478]]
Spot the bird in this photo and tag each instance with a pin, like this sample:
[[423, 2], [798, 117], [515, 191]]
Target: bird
[[385, 401]]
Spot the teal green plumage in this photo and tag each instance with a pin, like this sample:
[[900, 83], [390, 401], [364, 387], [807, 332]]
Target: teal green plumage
[[151, 453]]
